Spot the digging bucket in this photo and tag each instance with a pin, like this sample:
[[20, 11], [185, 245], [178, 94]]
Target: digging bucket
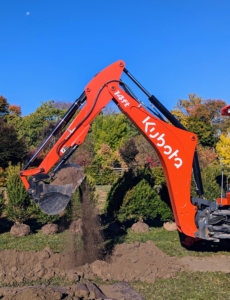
[[52, 192]]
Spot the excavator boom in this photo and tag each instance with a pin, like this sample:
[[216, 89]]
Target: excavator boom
[[175, 146]]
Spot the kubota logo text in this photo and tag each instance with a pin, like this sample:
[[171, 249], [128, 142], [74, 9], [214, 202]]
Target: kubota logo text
[[149, 127]]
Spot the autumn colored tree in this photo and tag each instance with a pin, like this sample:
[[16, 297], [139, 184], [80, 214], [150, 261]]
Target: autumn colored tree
[[85, 153], [207, 110], [202, 117], [181, 117], [146, 153], [8, 111], [207, 156], [223, 150]]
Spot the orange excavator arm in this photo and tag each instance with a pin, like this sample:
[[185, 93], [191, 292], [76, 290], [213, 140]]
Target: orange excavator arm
[[175, 146]]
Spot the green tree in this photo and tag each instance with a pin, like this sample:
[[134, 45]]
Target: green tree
[[139, 193], [19, 206], [73, 210], [38, 124], [143, 202], [211, 177], [111, 130], [12, 148], [3, 106], [204, 130]]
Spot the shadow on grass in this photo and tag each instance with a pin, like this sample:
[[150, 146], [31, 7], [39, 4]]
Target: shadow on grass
[[5, 225], [171, 243], [115, 232], [206, 246]]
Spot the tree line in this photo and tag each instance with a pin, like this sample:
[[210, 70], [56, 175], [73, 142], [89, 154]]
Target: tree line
[[113, 142]]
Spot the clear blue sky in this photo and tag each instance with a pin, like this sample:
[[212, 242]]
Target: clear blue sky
[[50, 49]]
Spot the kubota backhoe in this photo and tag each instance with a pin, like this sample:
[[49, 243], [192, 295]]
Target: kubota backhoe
[[52, 183]]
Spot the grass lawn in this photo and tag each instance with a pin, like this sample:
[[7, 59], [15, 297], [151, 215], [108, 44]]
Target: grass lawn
[[37, 241], [187, 286], [169, 243]]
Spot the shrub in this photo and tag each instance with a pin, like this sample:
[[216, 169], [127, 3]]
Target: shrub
[[2, 177], [2, 202], [107, 176], [211, 177], [101, 175], [137, 194], [44, 218], [128, 151], [143, 202], [19, 206]]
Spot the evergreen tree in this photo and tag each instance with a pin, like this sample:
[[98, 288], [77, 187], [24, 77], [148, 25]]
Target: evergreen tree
[[19, 206]]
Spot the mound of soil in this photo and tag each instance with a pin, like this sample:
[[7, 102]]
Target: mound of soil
[[132, 262], [138, 261]]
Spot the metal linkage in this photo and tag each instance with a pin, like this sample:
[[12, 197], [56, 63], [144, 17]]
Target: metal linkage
[[176, 123], [65, 119]]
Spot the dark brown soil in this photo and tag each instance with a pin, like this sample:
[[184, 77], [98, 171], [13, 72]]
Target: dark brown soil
[[69, 173], [129, 262], [91, 227], [91, 232], [138, 261]]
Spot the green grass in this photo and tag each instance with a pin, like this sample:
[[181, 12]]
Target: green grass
[[187, 286], [37, 241], [104, 188], [169, 242]]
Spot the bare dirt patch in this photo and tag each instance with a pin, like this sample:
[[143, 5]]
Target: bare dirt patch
[[135, 262], [138, 261], [220, 263], [128, 262]]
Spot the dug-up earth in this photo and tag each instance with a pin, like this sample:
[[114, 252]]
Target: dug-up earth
[[128, 262]]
